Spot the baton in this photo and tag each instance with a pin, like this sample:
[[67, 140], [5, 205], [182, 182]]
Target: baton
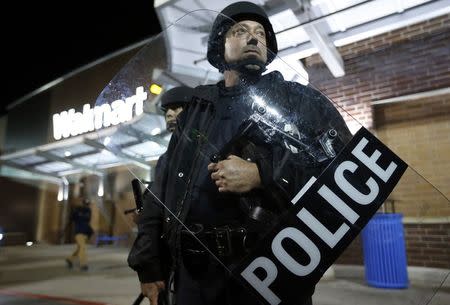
[[135, 185]]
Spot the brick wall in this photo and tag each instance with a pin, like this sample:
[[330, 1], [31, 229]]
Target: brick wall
[[403, 62], [427, 245], [353, 255], [17, 220], [419, 131]]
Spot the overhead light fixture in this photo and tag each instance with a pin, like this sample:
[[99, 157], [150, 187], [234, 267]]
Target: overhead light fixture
[[155, 89], [29, 243], [155, 131], [1, 236]]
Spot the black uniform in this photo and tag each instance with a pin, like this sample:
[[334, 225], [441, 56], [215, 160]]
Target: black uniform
[[184, 185]]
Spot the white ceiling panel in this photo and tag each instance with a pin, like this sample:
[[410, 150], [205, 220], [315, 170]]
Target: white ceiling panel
[[53, 167]]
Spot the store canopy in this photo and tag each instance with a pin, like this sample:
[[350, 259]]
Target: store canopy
[[90, 153]]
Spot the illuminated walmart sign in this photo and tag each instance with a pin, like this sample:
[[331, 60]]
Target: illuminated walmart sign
[[70, 123]]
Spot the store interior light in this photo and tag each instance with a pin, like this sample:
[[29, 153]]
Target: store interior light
[[65, 188], [60, 193], [155, 89], [100, 191], [67, 153], [29, 243], [1, 236]]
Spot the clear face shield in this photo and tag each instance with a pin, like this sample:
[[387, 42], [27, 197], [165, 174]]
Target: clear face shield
[[267, 176]]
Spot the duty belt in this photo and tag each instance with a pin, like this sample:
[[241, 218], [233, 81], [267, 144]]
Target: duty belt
[[223, 241]]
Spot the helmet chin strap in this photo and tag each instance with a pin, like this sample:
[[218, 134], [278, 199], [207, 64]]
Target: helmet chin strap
[[247, 67]]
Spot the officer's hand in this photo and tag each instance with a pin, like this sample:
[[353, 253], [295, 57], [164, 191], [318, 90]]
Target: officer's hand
[[235, 175], [152, 290]]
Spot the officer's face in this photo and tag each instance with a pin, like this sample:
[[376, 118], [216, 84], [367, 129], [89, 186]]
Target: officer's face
[[244, 40], [171, 117]]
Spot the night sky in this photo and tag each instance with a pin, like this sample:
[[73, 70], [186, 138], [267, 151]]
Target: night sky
[[42, 42]]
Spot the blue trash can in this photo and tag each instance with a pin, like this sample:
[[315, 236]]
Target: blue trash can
[[384, 252]]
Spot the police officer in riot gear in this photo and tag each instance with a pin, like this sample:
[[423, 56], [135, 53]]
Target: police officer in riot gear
[[172, 103], [208, 197], [251, 57]]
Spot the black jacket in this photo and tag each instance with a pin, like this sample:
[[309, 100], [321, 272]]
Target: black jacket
[[81, 217], [283, 171]]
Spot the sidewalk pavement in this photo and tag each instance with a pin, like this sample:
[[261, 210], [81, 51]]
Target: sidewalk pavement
[[40, 269]]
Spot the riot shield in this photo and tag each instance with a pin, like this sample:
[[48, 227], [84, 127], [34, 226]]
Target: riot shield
[[262, 176]]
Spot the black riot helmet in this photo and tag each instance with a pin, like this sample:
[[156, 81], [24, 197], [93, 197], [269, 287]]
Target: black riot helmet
[[230, 15], [178, 96]]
